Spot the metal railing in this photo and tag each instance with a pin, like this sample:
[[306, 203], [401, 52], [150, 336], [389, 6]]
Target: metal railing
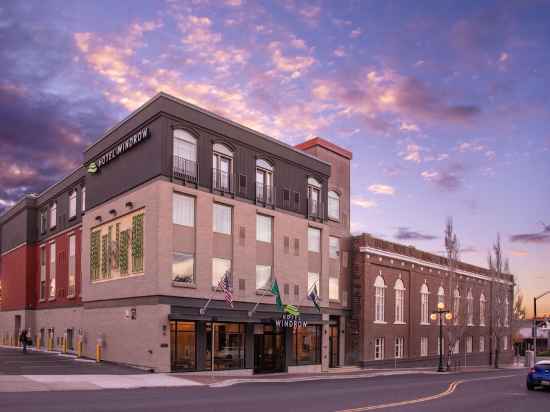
[[185, 169], [222, 181], [264, 193]]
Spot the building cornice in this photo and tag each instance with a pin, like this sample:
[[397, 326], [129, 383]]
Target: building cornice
[[393, 255]]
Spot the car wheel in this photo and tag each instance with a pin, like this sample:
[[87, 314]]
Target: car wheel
[[530, 387]]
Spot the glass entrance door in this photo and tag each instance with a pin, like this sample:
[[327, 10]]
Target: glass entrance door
[[183, 344], [333, 346], [269, 351]]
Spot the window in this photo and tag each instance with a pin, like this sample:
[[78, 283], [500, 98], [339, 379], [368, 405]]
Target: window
[[506, 312], [399, 347], [264, 181], [314, 196], [183, 268], [222, 167], [183, 210], [470, 308], [263, 277], [264, 228], [424, 346], [313, 239], [379, 291], [441, 299], [185, 155], [378, 348], [505, 343], [456, 348], [482, 309], [222, 219], [296, 247], [219, 268], [334, 289], [313, 281], [333, 205], [42, 273], [71, 288], [307, 345], [52, 271], [43, 221], [334, 247], [229, 343], [469, 344], [53, 215], [482, 343], [83, 199], [72, 204], [424, 309], [399, 289], [456, 306]]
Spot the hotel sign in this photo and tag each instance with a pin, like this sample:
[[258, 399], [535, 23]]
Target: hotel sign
[[290, 321], [119, 149]]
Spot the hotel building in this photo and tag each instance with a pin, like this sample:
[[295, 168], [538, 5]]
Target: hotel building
[[127, 252]]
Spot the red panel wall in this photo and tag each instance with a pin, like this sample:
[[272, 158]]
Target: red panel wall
[[18, 278], [62, 271]]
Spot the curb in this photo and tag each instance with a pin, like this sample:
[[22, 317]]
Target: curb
[[232, 382]]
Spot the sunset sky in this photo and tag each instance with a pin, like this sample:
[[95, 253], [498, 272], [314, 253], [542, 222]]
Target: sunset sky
[[445, 104]]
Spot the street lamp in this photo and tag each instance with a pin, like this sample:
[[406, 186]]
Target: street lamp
[[535, 324], [440, 313]]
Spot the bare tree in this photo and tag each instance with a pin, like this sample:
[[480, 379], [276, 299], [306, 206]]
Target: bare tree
[[455, 328], [519, 314], [499, 318]]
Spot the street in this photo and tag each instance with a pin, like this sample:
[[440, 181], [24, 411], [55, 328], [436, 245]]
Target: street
[[502, 390]]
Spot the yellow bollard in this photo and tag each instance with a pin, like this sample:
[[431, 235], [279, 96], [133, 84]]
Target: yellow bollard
[[64, 344], [37, 343], [50, 344], [98, 353], [79, 347]]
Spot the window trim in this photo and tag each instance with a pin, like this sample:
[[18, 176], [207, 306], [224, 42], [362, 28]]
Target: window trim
[[309, 243], [193, 275], [73, 194], [217, 204]]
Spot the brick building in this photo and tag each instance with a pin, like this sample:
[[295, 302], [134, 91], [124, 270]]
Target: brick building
[[395, 288], [127, 252]]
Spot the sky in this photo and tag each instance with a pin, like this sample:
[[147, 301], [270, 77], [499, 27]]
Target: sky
[[445, 104]]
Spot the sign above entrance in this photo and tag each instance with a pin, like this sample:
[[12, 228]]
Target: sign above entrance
[[290, 321], [119, 149]]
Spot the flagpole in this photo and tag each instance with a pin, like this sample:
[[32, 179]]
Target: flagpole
[[251, 312]]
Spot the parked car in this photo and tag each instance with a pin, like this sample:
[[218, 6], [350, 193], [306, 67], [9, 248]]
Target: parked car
[[539, 375]]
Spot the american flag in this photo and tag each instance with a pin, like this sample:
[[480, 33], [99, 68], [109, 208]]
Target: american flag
[[226, 287]]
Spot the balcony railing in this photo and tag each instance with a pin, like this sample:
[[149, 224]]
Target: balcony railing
[[222, 181], [185, 169], [264, 194], [315, 209]]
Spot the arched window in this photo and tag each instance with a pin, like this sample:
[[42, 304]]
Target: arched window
[[313, 196], [185, 155], [456, 305], [441, 300], [264, 181], [506, 312], [424, 309], [379, 292], [333, 205], [470, 302], [482, 309], [222, 168], [399, 289]]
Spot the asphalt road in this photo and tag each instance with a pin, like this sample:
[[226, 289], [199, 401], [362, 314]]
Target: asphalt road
[[484, 391]]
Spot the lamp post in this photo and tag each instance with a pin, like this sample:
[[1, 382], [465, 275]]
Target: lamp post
[[535, 324], [439, 314]]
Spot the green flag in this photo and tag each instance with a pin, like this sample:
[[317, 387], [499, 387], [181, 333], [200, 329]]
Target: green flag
[[275, 291]]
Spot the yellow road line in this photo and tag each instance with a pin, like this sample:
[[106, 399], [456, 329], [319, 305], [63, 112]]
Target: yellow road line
[[446, 392]]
